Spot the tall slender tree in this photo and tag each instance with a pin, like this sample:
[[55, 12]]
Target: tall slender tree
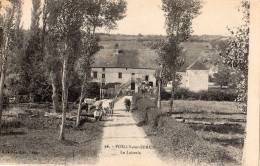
[[97, 14], [50, 49], [178, 22], [68, 16], [33, 75], [9, 22]]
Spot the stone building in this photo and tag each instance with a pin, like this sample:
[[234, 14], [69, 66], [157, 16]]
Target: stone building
[[130, 70], [194, 77]]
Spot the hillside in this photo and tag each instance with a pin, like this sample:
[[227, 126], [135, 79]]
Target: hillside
[[198, 47]]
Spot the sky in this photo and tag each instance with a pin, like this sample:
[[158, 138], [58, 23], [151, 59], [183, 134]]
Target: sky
[[146, 17]]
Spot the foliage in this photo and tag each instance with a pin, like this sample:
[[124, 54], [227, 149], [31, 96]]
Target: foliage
[[92, 90], [97, 14], [10, 24], [210, 95], [179, 15], [174, 139], [236, 54], [27, 72], [13, 79], [222, 77]]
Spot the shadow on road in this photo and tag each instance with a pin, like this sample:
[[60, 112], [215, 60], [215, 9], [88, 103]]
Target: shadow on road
[[119, 125]]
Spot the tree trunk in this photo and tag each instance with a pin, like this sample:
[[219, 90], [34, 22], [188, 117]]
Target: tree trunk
[[2, 80], [159, 104], [159, 95], [54, 91], [251, 143], [80, 104], [172, 92], [64, 97]]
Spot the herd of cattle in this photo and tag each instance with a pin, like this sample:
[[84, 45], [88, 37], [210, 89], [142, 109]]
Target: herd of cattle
[[100, 107]]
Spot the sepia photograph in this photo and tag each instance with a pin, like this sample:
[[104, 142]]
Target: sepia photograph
[[129, 82]]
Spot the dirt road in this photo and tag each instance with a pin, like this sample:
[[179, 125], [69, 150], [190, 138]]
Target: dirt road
[[124, 143]]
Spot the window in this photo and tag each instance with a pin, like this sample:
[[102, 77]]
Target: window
[[133, 74], [151, 84], [120, 75], [103, 69], [133, 86], [103, 76], [146, 78], [94, 74]]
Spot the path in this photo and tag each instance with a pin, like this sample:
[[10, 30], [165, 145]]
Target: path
[[122, 137]]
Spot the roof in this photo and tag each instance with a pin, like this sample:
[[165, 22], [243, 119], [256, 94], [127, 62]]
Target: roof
[[135, 58], [138, 56], [197, 66]]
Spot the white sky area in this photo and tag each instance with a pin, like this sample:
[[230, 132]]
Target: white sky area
[[146, 17]]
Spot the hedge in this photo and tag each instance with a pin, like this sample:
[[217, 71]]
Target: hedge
[[185, 94]]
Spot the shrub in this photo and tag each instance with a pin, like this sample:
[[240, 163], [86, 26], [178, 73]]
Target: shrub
[[210, 95], [153, 116], [184, 143], [135, 98], [165, 95], [176, 139], [15, 123], [146, 111]]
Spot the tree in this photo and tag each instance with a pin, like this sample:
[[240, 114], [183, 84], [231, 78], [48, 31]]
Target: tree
[[50, 41], [236, 55], [8, 23], [31, 71], [222, 77], [97, 14], [68, 18], [84, 68], [179, 15], [13, 79]]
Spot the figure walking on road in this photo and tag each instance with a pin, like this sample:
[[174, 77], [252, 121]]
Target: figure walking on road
[[127, 104]]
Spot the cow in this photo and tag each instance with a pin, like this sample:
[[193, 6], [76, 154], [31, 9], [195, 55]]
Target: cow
[[105, 106], [98, 104], [85, 106], [98, 114], [90, 101]]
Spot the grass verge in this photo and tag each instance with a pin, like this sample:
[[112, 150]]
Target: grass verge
[[175, 140], [36, 141]]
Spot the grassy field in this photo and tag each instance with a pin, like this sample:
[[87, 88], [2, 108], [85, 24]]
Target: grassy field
[[197, 106], [213, 144], [33, 138], [230, 136]]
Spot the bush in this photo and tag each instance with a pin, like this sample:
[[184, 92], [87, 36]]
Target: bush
[[146, 111], [165, 95], [10, 124], [135, 98], [174, 139], [184, 143], [153, 116], [210, 95]]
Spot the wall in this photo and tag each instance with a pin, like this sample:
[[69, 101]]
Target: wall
[[111, 75], [183, 81], [197, 80]]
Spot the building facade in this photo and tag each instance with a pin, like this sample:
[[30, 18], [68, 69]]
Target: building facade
[[131, 78], [131, 70]]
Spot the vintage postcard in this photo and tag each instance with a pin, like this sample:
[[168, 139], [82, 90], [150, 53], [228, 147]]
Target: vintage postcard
[[129, 82]]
